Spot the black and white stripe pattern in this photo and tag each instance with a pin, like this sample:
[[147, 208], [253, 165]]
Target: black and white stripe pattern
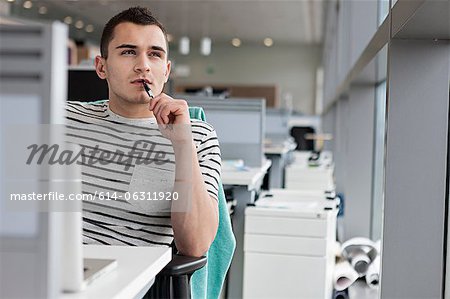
[[119, 222]]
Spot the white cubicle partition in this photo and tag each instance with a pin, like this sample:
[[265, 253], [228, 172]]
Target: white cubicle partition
[[33, 59], [248, 115]]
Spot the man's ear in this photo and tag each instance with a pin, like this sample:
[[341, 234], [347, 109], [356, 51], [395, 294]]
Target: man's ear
[[167, 73], [100, 67]]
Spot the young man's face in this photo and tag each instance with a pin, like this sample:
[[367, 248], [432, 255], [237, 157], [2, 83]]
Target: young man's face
[[135, 52]]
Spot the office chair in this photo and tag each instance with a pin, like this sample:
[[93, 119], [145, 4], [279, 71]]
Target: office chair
[[298, 133], [174, 281]]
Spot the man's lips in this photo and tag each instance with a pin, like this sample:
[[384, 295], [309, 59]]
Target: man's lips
[[139, 81]]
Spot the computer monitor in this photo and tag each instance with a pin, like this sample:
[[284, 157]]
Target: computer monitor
[[248, 113]]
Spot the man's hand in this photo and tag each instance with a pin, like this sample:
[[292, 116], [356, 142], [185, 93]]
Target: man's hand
[[194, 216], [172, 117]]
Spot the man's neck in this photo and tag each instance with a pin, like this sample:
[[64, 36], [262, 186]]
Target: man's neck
[[130, 110]]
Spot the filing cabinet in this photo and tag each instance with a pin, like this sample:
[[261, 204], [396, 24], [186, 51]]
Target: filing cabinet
[[288, 247]]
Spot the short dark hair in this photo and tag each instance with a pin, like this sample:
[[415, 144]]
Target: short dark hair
[[137, 15]]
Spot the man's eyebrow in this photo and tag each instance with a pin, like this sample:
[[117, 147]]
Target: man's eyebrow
[[157, 48], [129, 46]]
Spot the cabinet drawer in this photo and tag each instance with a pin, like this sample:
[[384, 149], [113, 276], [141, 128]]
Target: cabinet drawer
[[308, 227], [285, 245], [284, 276]]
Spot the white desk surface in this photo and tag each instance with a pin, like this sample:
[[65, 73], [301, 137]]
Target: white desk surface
[[136, 268], [279, 148], [276, 150], [248, 177]]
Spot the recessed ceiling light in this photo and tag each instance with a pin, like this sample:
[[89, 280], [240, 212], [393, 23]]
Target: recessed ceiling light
[[205, 46], [68, 20], [42, 10], [236, 42], [169, 38], [79, 24], [27, 4], [184, 45], [268, 42], [11, 1], [89, 28]]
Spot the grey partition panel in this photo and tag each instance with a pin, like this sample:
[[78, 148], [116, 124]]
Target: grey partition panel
[[416, 169], [277, 122], [329, 121], [358, 168], [33, 84], [239, 123], [340, 145]]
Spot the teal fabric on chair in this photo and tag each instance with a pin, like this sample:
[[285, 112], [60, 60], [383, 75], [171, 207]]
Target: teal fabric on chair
[[197, 113], [208, 281]]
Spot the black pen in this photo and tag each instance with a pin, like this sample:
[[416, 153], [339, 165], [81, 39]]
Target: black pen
[[147, 89]]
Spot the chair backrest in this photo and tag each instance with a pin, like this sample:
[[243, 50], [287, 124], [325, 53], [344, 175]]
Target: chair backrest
[[298, 133], [208, 281]]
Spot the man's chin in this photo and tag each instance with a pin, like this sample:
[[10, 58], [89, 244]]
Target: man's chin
[[144, 101], [138, 101]]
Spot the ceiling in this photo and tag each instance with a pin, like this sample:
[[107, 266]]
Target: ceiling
[[298, 22]]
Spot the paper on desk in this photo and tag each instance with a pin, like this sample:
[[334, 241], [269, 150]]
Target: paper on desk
[[337, 249], [344, 275], [340, 294], [360, 252], [360, 261], [373, 273]]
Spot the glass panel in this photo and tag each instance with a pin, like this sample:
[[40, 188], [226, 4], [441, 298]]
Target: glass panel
[[383, 10], [378, 176]]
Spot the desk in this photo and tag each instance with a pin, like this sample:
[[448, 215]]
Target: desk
[[278, 154], [245, 184], [133, 277], [251, 178]]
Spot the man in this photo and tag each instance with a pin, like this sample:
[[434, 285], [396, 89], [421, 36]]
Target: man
[[116, 134]]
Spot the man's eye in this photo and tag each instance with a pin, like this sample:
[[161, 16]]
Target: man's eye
[[155, 54], [128, 52]]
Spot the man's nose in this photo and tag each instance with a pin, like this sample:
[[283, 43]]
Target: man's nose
[[142, 64]]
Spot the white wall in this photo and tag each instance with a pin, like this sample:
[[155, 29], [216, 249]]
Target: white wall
[[291, 68]]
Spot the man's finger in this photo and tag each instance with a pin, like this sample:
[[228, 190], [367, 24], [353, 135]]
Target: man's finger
[[158, 119], [157, 108], [165, 112], [155, 100]]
